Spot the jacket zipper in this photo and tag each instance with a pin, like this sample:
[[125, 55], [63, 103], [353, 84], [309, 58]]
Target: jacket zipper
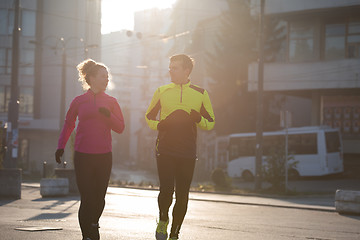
[[181, 93]]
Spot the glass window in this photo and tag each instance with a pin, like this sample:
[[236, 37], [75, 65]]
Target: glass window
[[10, 22], [332, 142], [28, 23], [242, 147], [272, 143], [8, 61], [2, 99], [354, 27], [302, 144], [2, 60], [301, 42], [335, 41], [7, 97], [353, 39], [27, 61], [26, 100], [3, 21]]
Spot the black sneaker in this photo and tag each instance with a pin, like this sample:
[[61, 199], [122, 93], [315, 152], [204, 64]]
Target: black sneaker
[[94, 231]]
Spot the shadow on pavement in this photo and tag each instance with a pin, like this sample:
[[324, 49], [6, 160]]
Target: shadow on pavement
[[4, 201], [49, 216]]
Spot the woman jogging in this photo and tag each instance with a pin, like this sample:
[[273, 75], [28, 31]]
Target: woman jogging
[[98, 114]]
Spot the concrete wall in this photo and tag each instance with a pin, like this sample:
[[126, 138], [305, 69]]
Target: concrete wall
[[337, 74], [10, 183]]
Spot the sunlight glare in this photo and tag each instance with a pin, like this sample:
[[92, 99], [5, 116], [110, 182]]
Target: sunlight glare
[[117, 15]]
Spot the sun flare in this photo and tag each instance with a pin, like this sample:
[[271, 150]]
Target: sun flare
[[118, 14]]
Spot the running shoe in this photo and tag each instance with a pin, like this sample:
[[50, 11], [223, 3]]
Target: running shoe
[[161, 230]]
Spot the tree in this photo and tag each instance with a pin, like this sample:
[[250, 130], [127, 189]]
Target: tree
[[228, 66], [274, 167], [234, 106]]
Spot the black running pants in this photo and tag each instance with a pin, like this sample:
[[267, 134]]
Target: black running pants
[[174, 173], [92, 177]]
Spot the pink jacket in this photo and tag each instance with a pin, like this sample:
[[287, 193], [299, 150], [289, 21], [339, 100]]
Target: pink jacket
[[93, 133]]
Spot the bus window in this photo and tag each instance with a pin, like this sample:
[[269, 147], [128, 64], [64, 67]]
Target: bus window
[[242, 147], [272, 143], [234, 153], [303, 144], [332, 142]]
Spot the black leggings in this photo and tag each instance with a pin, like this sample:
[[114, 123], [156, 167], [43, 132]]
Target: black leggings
[[178, 173], [92, 177]]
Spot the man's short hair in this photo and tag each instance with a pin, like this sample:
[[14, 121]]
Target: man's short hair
[[187, 62]]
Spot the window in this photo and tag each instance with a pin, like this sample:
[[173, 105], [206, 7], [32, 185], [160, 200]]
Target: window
[[335, 41], [6, 21], [10, 22], [301, 42], [332, 142], [353, 39], [302, 144], [8, 61], [27, 61], [2, 99], [272, 143], [28, 23], [3, 21], [26, 100], [2, 60], [242, 147]]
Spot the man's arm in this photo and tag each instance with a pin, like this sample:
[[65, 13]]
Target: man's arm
[[153, 111], [207, 121]]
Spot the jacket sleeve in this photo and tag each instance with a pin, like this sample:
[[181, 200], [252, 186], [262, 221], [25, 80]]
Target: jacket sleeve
[[117, 122], [69, 124], [207, 114], [153, 110]]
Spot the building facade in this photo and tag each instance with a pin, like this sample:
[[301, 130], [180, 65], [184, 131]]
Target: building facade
[[317, 68], [55, 36]]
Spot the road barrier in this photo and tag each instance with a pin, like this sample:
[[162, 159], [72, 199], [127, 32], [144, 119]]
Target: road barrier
[[50, 187], [347, 201]]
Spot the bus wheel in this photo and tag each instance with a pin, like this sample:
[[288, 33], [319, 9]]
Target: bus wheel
[[293, 174], [247, 176]]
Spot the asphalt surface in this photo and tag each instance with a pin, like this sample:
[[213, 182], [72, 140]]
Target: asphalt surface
[[34, 217]]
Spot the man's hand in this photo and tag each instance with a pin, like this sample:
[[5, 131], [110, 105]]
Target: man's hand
[[195, 116], [104, 111], [58, 155]]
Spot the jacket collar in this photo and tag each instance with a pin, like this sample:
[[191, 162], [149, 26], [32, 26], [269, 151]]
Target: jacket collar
[[91, 93], [183, 85]]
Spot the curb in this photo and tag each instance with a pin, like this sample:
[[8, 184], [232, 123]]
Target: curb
[[294, 206]]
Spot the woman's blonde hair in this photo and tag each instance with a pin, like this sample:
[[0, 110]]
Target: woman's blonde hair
[[89, 68]]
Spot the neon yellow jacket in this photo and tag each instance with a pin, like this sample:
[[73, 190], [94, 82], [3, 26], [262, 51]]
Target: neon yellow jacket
[[170, 100]]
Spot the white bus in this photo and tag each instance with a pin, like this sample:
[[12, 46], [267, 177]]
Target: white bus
[[317, 150]]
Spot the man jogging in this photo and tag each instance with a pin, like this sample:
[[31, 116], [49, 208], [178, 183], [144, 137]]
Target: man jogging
[[182, 106]]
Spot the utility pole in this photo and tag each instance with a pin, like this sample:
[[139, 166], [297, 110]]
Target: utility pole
[[63, 88], [13, 110], [259, 115]]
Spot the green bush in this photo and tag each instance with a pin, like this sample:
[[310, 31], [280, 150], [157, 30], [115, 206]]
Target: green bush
[[220, 179], [273, 170]]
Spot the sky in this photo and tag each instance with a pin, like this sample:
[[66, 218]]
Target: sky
[[119, 14]]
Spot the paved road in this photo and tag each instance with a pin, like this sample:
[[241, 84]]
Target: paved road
[[131, 214]]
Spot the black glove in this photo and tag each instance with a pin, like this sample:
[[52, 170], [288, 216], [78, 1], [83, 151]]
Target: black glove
[[195, 116], [58, 155], [163, 125], [104, 111]]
